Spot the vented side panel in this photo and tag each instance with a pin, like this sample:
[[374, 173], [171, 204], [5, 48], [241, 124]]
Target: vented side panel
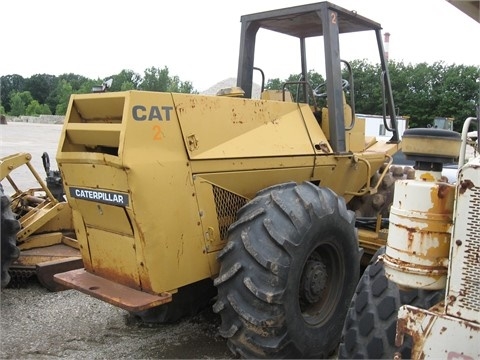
[[227, 204], [464, 284]]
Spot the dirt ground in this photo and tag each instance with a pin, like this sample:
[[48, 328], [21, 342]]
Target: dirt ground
[[39, 324]]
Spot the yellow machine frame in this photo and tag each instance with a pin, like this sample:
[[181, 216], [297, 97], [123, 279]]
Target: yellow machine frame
[[186, 164]]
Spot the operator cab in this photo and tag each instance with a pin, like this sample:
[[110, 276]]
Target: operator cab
[[326, 20]]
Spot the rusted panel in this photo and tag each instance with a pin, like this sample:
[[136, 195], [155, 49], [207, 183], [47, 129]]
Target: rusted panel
[[466, 185], [437, 335], [111, 292], [35, 256], [442, 198], [47, 269], [411, 322], [429, 270], [113, 256]]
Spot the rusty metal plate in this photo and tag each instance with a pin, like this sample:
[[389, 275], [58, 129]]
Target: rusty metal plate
[[111, 292], [47, 269], [35, 256]]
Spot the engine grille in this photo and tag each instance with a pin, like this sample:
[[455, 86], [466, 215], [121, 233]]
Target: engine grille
[[227, 204], [463, 292], [470, 276]]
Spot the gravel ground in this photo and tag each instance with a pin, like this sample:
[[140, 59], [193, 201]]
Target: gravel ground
[[39, 324]]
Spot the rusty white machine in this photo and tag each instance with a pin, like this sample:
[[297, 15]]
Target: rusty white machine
[[419, 297], [434, 243]]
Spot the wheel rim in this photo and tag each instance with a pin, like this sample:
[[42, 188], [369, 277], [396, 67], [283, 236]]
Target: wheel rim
[[321, 284]]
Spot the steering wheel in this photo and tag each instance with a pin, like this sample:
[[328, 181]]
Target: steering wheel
[[323, 87]]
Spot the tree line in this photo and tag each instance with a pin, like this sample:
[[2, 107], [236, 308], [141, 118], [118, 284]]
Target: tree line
[[44, 94], [421, 92]]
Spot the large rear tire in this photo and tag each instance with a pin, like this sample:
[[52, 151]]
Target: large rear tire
[[288, 272], [370, 327], [9, 227]]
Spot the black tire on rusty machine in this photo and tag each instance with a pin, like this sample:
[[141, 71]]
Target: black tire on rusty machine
[[370, 327], [288, 272], [9, 227]]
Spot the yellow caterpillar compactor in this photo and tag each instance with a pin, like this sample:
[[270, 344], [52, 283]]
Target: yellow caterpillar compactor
[[180, 199]]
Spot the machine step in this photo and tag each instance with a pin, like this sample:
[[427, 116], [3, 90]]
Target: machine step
[[111, 292]]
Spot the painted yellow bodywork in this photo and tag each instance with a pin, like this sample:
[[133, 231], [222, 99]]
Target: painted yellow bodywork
[[45, 223], [187, 163]]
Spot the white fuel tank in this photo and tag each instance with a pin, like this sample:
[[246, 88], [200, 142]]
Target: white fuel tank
[[419, 234]]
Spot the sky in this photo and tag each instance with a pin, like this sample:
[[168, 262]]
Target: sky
[[199, 40]]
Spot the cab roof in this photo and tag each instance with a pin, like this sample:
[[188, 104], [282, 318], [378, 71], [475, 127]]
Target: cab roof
[[304, 21]]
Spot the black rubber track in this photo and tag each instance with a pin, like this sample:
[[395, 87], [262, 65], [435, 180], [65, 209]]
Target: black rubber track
[[288, 273], [370, 326], [9, 227]]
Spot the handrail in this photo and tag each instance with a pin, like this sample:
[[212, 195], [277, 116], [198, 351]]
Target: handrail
[[263, 78], [367, 188], [352, 95], [298, 83], [463, 146]]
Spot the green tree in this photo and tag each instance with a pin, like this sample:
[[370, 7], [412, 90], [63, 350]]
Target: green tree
[[19, 102], [40, 86], [35, 108], [425, 91], [295, 87], [156, 79], [125, 80], [457, 93], [17, 106], [421, 92], [367, 86], [44, 110], [88, 85], [26, 97], [274, 84], [185, 87], [127, 85], [419, 101], [64, 91], [400, 75], [8, 85], [75, 81]]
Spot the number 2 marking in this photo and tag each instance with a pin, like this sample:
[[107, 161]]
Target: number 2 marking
[[333, 15], [157, 133]]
